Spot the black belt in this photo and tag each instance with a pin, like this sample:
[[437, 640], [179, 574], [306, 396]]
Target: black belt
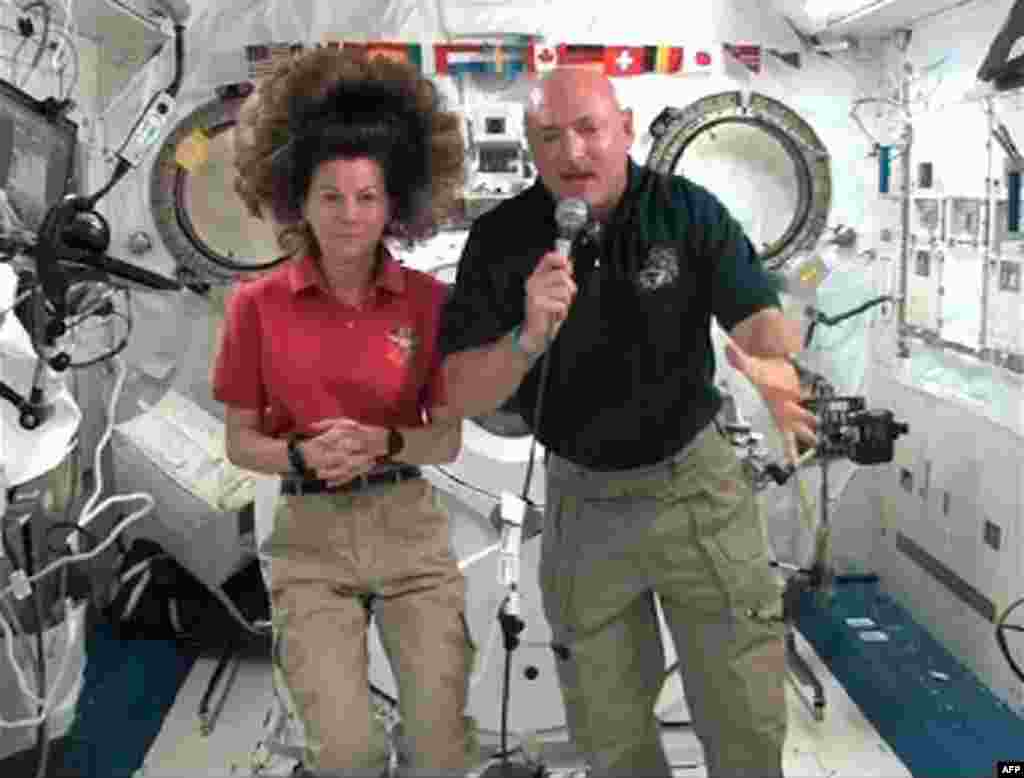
[[292, 485]]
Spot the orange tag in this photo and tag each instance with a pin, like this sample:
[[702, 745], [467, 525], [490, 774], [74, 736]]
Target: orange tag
[[193, 151]]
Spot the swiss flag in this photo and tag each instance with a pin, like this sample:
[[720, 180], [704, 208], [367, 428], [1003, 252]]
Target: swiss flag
[[542, 57], [627, 60]]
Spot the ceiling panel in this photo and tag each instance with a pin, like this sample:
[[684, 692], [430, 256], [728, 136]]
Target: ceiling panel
[[126, 34], [874, 23]]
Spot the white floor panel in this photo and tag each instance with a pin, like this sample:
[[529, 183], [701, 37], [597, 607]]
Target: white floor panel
[[844, 744], [182, 749]]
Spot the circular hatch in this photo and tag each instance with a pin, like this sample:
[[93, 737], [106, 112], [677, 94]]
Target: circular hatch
[[750, 150]]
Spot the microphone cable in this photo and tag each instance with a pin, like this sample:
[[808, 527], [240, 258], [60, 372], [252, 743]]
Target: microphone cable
[[524, 496], [507, 681]]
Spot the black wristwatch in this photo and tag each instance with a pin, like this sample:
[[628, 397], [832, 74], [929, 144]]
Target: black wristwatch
[[298, 462], [395, 442]]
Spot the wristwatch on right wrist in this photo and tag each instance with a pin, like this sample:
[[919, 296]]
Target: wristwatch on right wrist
[[296, 459], [517, 343]]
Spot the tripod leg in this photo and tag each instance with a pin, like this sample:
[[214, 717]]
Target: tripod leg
[[800, 671]]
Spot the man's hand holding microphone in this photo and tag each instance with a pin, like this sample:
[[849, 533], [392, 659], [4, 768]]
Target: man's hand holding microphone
[[551, 287], [550, 290]]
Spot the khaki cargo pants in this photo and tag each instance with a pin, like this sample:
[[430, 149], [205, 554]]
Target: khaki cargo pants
[[689, 530], [336, 560]]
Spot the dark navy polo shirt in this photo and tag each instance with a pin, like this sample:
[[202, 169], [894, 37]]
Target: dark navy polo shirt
[[631, 375]]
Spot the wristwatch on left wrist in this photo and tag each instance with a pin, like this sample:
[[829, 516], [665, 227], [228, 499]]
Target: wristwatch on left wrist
[[396, 442], [296, 459]]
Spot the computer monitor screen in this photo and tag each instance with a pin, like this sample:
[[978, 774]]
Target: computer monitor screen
[[36, 159]]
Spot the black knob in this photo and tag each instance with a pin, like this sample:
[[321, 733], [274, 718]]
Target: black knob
[[531, 673]]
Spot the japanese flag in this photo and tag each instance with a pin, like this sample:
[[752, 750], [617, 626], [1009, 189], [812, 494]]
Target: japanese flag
[[702, 59]]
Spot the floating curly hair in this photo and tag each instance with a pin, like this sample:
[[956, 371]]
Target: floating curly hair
[[331, 103]]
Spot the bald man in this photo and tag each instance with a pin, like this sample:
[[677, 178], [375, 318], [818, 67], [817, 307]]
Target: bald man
[[645, 494]]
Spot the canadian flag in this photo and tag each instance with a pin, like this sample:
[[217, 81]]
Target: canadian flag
[[542, 57]]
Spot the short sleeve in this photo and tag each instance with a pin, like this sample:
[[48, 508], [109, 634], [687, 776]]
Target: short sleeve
[[740, 285], [237, 378], [476, 313]]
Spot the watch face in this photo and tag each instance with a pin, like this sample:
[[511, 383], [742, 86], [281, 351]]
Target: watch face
[[395, 442], [298, 462]]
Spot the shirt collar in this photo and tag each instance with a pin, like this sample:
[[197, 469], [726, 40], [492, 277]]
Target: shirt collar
[[305, 274]]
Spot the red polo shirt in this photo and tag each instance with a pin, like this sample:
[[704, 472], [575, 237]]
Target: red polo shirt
[[293, 350]]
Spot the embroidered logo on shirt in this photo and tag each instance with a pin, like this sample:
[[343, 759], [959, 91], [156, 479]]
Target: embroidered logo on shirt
[[660, 269], [404, 343]]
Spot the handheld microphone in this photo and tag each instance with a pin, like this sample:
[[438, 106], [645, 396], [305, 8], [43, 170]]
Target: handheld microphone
[[571, 216]]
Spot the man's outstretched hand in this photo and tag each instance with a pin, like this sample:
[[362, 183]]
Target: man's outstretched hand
[[777, 382]]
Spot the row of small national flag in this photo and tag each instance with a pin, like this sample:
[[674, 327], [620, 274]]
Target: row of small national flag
[[533, 58]]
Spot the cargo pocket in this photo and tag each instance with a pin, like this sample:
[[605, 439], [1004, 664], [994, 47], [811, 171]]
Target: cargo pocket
[[741, 566], [556, 568]]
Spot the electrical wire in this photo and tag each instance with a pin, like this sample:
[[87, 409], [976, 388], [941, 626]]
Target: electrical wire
[[541, 387], [67, 46], [114, 351], [1001, 628], [43, 40], [12, 71], [89, 512], [472, 487], [43, 730], [461, 482], [22, 583], [67, 27]]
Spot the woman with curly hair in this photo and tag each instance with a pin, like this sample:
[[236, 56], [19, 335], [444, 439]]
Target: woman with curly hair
[[331, 376]]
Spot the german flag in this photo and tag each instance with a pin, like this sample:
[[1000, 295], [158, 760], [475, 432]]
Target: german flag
[[582, 55]]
